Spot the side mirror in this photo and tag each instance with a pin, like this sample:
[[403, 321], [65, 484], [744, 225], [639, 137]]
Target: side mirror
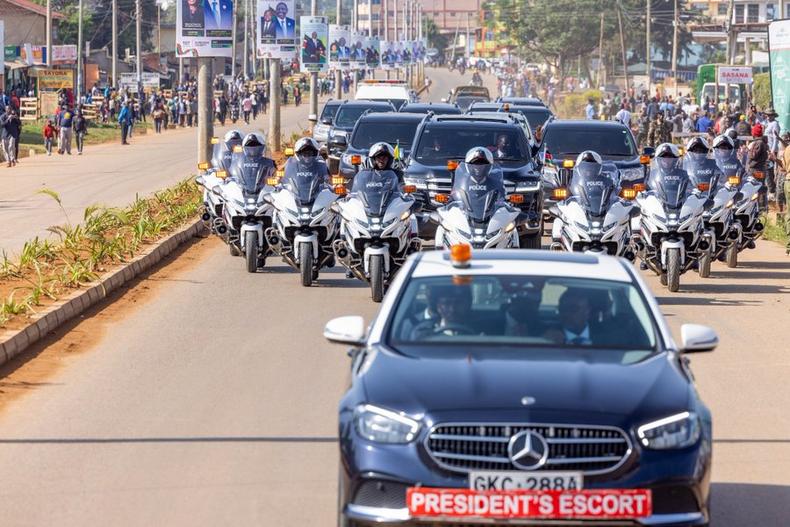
[[327, 121], [268, 199], [346, 330], [199, 180], [339, 140], [554, 210], [217, 190], [696, 338]]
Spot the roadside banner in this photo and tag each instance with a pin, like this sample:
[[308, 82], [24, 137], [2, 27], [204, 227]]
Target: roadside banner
[[358, 57], [373, 52], [64, 54], [49, 79], [204, 28], [2, 39], [129, 80], [277, 31], [315, 35], [339, 50], [779, 58], [735, 74], [388, 56]]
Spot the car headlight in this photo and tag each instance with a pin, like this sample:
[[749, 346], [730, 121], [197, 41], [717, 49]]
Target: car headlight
[[677, 431], [630, 174], [384, 426]]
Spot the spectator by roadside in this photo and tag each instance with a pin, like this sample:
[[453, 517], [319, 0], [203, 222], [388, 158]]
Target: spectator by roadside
[[11, 129], [124, 119], [49, 136], [80, 129], [65, 124]]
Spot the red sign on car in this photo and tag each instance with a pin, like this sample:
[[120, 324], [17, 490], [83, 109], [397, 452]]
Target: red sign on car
[[622, 504]]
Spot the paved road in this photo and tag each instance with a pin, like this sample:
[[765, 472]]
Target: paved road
[[229, 419], [110, 174]]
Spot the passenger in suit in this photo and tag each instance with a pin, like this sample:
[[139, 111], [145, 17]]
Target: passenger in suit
[[284, 26]]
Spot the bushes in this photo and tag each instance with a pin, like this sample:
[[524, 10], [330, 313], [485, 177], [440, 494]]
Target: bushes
[[572, 106], [761, 90]]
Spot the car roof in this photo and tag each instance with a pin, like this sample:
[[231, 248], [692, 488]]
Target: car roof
[[483, 106], [577, 124], [528, 262], [393, 116], [523, 101], [366, 103], [490, 118], [428, 106]]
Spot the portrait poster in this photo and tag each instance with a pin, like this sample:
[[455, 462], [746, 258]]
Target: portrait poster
[[358, 57], [315, 35], [204, 28], [339, 47], [373, 52], [388, 57], [277, 29]]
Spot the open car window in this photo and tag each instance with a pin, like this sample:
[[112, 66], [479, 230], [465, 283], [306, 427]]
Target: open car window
[[609, 319]]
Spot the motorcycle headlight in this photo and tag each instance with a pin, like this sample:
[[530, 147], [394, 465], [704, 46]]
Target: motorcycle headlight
[[676, 431], [405, 215], [384, 426]]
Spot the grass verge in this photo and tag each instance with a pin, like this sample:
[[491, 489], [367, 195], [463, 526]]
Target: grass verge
[[775, 230], [46, 270], [98, 133]]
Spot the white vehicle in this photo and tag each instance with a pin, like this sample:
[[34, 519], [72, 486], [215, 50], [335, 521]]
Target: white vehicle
[[670, 236], [378, 229], [304, 224], [246, 213], [393, 91], [477, 214], [594, 218], [215, 174]]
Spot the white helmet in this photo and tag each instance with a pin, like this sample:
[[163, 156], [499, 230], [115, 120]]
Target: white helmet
[[382, 148], [306, 151], [479, 155], [589, 156], [232, 138], [667, 150], [306, 143], [696, 142], [724, 141], [254, 144]]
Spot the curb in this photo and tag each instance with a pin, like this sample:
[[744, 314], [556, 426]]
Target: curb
[[15, 342]]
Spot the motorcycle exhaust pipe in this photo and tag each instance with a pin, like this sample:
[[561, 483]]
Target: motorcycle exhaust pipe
[[342, 253]]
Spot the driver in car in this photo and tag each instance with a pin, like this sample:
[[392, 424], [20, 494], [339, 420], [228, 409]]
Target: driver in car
[[504, 147], [452, 305]]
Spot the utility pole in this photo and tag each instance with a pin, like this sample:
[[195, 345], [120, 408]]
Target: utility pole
[[370, 19], [647, 46], [205, 115], [276, 98], [622, 46], [253, 40], [396, 37], [338, 73], [455, 37], [246, 50], [386, 7], [233, 44], [139, 38], [730, 25], [313, 117], [114, 80], [49, 32], [600, 55], [675, 24], [466, 44], [79, 52]]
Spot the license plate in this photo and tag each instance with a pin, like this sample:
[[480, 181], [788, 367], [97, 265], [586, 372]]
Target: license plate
[[608, 504], [513, 480]]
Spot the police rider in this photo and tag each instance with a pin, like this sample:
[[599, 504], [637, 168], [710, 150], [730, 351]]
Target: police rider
[[484, 175], [306, 161], [725, 154], [701, 169], [381, 156]]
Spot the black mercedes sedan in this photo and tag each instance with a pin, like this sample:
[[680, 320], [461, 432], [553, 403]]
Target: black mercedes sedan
[[521, 388]]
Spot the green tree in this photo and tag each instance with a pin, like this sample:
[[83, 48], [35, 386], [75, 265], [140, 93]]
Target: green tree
[[432, 34]]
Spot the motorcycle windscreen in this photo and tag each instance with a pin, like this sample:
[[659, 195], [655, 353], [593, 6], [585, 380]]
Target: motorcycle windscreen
[[670, 183], [250, 172], [221, 156], [727, 160], [375, 190], [593, 188], [304, 183], [703, 172], [479, 205]]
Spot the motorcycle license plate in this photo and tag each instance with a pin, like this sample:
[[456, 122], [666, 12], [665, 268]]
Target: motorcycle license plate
[[515, 480]]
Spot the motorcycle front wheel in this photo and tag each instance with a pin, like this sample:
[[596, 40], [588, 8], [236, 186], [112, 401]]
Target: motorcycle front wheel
[[306, 263], [377, 277], [251, 251], [732, 255], [673, 270], [704, 264]]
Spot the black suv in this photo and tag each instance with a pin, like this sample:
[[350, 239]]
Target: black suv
[[324, 125], [396, 129], [443, 141], [562, 141], [346, 117]]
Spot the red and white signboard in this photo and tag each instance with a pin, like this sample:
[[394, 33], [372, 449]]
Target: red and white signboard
[[64, 54], [620, 504], [735, 75]]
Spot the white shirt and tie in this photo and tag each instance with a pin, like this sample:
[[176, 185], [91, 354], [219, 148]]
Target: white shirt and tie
[[580, 339], [215, 10]]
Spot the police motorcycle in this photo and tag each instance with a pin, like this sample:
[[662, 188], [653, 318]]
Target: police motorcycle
[[378, 229], [708, 180], [594, 218], [304, 225], [215, 174], [235, 110], [477, 213], [669, 240], [747, 227], [246, 213]]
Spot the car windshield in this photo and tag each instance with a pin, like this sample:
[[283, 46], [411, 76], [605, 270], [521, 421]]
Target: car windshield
[[465, 101], [437, 144], [329, 111], [437, 110], [347, 116], [368, 133], [606, 140], [524, 312], [535, 116]]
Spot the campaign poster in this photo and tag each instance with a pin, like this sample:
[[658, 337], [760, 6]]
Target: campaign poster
[[779, 56], [388, 57], [315, 35], [204, 28], [277, 31], [339, 47], [357, 45], [373, 52], [400, 55]]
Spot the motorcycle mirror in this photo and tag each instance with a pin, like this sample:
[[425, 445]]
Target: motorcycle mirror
[[649, 151], [435, 218], [199, 180], [268, 198], [216, 190], [554, 210]]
